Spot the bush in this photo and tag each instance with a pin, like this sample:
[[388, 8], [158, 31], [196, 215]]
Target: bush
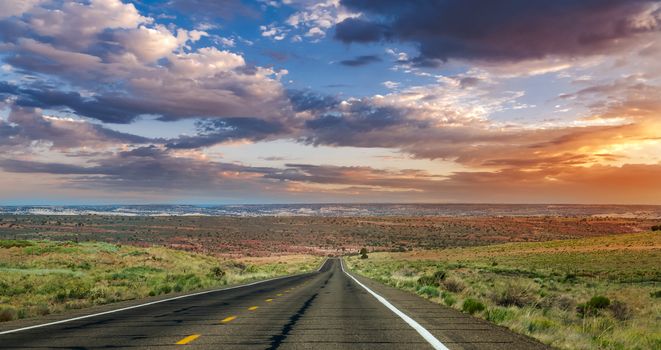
[[427, 281], [429, 291], [498, 315], [472, 306], [217, 273], [656, 228], [656, 294], [539, 324], [363, 253], [449, 299], [10, 243], [620, 310], [514, 295], [439, 276], [79, 292], [7, 313], [162, 289], [453, 285], [598, 302], [564, 302], [593, 306], [570, 277]]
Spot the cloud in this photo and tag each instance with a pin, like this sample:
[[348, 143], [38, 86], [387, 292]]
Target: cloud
[[215, 131], [10, 8], [357, 30], [316, 18], [26, 126], [273, 31], [129, 66], [146, 169], [510, 30], [86, 20], [150, 169], [451, 121], [361, 61]]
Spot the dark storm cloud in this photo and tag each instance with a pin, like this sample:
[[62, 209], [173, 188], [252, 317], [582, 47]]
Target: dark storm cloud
[[361, 61], [501, 30], [357, 30]]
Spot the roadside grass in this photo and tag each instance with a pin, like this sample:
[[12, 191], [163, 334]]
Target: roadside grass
[[44, 277], [594, 293]]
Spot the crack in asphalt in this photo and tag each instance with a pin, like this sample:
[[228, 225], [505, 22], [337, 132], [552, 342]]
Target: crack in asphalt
[[277, 340]]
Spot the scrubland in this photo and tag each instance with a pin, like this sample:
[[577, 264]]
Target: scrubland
[[44, 277], [592, 293], [268, 236]]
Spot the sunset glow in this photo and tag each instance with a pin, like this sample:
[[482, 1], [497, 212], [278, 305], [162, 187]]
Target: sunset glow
[[109, 101]]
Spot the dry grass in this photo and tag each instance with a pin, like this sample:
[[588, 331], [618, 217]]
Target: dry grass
[[536, 288], [42, 277]]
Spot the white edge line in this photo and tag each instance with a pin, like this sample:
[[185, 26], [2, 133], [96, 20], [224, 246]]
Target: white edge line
[[435, 343], [151, 303]]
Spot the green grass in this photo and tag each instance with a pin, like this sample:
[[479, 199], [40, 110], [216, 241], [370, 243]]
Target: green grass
[[44, 277], [595, 293]]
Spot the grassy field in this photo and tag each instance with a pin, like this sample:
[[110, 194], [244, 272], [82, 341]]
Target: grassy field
[[43, 277], [593, 293]]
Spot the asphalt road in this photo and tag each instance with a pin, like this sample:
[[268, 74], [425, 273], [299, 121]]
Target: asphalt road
[[322, 310]]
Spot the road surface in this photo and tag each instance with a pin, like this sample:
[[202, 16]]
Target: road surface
[[328, 309]]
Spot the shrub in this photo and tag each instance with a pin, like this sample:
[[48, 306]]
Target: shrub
[[363, 253], [598, 302], [448, 299], [620, 310], [498, 315], [570, 277], [656, 228], [656, 294], [7, 313], [472, 306], [162, 289], [427, 281], [217, 273], [41, 309], [439, 276], [10, 243], [429, 291], [564, 302], [453, 285], [593, 306], [78, 292], [539, 324], [514, 295]]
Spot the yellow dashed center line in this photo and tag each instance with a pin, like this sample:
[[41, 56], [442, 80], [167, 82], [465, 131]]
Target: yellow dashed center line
[[253, 308], [188, 339], [269, 300], [228, 319], [278, 295]]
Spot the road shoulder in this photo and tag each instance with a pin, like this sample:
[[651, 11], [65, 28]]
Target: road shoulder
[[454, 329]]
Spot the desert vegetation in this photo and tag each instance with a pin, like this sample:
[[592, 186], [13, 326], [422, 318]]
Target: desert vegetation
[[267, 236], [592, 293], [44, 277]]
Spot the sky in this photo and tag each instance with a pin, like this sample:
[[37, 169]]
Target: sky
[[302, 101]]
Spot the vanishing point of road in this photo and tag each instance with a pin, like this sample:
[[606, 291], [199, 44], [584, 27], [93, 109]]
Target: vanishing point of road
[[327, 309]]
